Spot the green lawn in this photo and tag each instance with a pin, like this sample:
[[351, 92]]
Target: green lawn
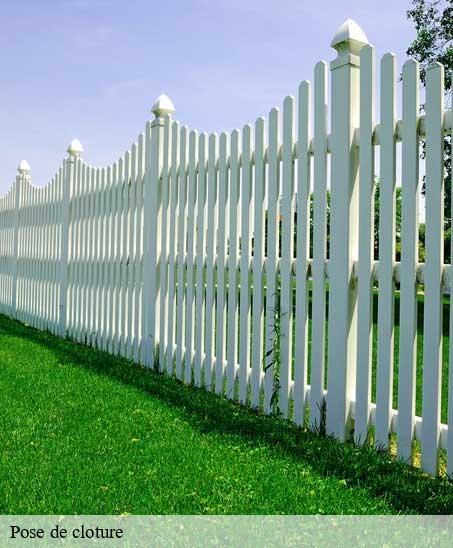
[[83, 432]]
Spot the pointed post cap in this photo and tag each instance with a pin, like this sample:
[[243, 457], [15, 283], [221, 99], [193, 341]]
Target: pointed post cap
[[162, 106], [349, 38], [75, 148], [24, 167]]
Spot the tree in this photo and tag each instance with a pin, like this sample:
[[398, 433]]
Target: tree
[[433, 20]]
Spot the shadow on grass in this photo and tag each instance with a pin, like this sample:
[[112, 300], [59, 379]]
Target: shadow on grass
[[405, 488]]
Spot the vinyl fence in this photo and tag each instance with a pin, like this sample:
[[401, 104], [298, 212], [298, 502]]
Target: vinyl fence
[[191, 254]]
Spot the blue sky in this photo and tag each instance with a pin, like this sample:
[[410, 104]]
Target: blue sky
[[91, 69]]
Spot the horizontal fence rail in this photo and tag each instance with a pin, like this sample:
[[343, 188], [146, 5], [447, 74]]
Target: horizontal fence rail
[[247, 263]]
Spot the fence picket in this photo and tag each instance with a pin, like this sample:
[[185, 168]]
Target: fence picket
[[33, 262], [366, 245], [44, 213], [83, 252], [233, 254], [38, 260], [51, 253], [86, 244], [432, 328], [191, 194], [57, 248], [138, 346], [24, 246], [118, 289], [182, 216], [163, 331], [91, 198], [56, 251], [80, 173], [53, 260], [71, 252], [31, 266], [222, 231], [97, 214], [319, 246], [104, 257], [257, 265], [125, 313], [409, 261], [287, 254], [272, 256], [26, 261], [132, 256], [30, 257], [302, 251], [244, 318], [210, 250], [112, 257], [173, 224], [384, 391], [200, 257], [45, 256]]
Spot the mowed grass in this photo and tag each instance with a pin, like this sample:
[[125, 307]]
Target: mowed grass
[[82, 432]]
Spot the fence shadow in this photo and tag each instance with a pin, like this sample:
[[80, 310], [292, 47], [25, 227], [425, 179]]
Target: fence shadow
[[403, 487]]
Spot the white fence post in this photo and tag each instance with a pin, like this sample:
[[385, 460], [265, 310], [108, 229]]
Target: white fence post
[[75, 149], [23, 174], [345, 90], [152, 197]]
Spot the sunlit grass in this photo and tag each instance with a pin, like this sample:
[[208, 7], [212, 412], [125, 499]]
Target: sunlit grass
[[84, 432]]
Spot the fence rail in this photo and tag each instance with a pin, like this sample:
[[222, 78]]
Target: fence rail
[[213, 259]]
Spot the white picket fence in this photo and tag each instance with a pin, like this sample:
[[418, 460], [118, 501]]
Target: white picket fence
[[182, 254]]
